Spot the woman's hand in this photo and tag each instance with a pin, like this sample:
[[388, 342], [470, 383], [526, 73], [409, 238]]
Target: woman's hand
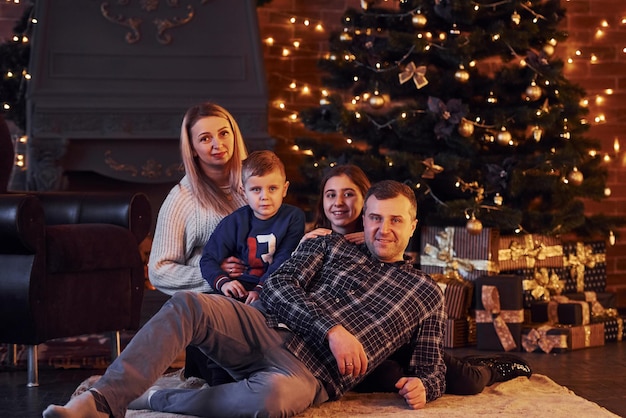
[[234, 289], [319, 232], [355, 237], [233, 266]]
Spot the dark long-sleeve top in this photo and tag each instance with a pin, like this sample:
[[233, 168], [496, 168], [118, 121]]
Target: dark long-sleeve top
[[328, 281], [263, 245]]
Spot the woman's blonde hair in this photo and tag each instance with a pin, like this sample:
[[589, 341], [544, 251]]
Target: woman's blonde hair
[[209, 194]]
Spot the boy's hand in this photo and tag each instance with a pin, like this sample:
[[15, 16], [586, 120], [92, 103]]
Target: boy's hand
[[413, 391], [252, 296], [234, 289]]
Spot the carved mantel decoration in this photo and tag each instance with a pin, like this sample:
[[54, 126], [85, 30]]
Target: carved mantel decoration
[[151, 169], [149, 6]]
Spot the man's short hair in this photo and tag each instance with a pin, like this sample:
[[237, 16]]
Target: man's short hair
[[388, 189], [260, 163]]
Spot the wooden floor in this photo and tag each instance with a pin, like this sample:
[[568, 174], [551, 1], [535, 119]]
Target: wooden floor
[[597, 374]]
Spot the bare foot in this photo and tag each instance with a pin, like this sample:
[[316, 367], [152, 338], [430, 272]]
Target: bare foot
[[82, 406]]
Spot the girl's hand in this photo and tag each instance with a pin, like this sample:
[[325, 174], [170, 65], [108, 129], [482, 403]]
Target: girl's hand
[[319, 232], [233, 266], [355, 237]]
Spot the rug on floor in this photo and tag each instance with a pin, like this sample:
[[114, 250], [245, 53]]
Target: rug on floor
[[538, 396]]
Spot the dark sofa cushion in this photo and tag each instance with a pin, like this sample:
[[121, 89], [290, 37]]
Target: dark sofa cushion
[[88, 247]]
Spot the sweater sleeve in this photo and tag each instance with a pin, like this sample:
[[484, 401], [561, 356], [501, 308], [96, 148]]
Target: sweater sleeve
[[181, 231], [222, 244]]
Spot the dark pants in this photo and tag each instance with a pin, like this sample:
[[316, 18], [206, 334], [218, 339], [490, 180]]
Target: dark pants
[[461, 378]]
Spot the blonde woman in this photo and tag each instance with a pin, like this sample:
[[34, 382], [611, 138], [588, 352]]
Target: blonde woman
[[212, 149]]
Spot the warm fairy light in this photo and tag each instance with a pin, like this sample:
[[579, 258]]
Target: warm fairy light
[[325, 93], [552, 42], [355, 78], [281, 105], [293, 117], [403, 115], [599, 33], [584, 102], [319, 27], [27, 76], [295, 148], [604, 24], [349, 140], [578, 52], [608, 91], [293, 85], [296, 44], [623, 21], [6, 106], [570, 61], [442, 36], [607, 158], [307, 22], [600, 118], [616, 145], [472, 63], [15, 38], [495, 37], [476, 7], [286, 52], [599, 100], [269, 41], [292, 20], [593, 153], [306, 90], [357, 115], [607, 191], [593, 59], [9, 74]]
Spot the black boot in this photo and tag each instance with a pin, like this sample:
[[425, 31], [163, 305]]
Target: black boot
[[503, 366]]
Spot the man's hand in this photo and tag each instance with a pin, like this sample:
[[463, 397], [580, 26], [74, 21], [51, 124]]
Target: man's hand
[[413, 391], [234, 289], [348, 351]]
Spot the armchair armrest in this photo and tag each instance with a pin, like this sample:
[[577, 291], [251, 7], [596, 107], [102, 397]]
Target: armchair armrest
[[128, 210], [21, 224]]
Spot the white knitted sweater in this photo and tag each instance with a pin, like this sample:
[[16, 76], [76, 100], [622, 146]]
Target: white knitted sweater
[[183, 228]]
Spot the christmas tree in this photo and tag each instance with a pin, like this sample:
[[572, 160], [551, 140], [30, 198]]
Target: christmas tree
[[466, 102]]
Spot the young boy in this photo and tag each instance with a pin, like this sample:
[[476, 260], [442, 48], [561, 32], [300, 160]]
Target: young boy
[[261, 234]]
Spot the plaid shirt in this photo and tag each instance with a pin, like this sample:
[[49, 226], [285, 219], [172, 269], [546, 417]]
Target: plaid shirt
[[328, 282]]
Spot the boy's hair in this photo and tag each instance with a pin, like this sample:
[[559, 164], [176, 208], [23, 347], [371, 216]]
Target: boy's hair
[[260, 163], [388, 189]]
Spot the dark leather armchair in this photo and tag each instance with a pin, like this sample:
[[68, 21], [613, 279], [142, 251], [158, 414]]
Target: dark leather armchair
[[69, 263]]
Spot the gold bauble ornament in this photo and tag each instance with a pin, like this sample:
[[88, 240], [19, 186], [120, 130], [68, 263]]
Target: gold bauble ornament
[[466, 128], [462, 75], [534, 92], [575, 177], [504, 137], [548, 49], [419, 20], [376, 101], [474, 226]]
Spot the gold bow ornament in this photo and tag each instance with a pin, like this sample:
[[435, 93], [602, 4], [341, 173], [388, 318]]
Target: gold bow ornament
[[578, 261], [490, 296], [539, 338], [543, 284], [526, 254], [443, 255], [418, 74]]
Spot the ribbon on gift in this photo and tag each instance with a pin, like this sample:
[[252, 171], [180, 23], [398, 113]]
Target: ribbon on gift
[[597, 310], [583, 258], [530, 251], [543, 284], [418, 74], [553, 305], [444, 256], [490, 297], [539, 338]]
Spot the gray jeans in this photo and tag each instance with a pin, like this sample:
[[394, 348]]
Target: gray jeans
[[271, 382]]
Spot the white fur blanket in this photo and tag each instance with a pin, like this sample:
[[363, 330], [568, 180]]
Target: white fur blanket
[[538, 396]]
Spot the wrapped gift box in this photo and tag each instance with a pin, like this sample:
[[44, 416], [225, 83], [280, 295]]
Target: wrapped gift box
[[600, 302], [452, 251], [586, 262], [564, 312], [458, 295], [499, 312], [541, 283], [529, 251], [456, 334], [561, 338], [614, 329]]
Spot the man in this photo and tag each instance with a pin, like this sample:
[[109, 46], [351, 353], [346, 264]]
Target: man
[[334, 311]]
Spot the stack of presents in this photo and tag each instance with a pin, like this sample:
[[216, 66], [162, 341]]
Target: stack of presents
[[521, 292]]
